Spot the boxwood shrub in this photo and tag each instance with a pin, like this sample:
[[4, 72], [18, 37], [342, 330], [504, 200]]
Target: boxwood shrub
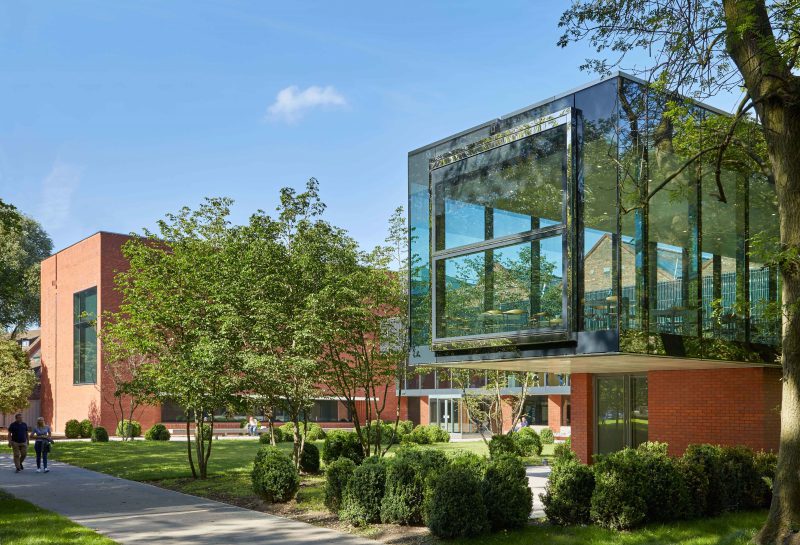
[[404, 492], [131, 428], [501, 445], [274, 476], [364, 493], [453, 505], [158, 432], [309, 458], [568, 495], [341, 443], [86, 428], [425, 435], [99, 435], [528, 442], [506, 493], [470, 461], [314, 431], [337, 475], [547, 436], [72, 429]]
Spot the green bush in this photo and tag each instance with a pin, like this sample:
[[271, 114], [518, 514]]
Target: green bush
[[158, 432], [564, 450], [405, 427], [547, 436], [419, 436], [502, 444], [437, 434], [128, 428], [766, 464], [470, 461], [387, 432], [99, 435], [364, 493], [72, 429], [337, 475], [341, 443], [568, 495], [506, 493], [703, 473], [264, 438], [309, 458], [453, 505], [205, 431], [425, 461], [274, 476], [743, 486], [404, 493], [528, 442], [314, 431], [86, 428]]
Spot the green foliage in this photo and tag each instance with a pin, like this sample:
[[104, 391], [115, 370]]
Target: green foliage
[[337, 475], [16, 376], [364, 493], [506, 493], [453, 505], [702, 470], [743, 486], [265, 438], [99, 435], [567, 498], [405, 487], [86, 428], [341, 443], [158, 432], [564, 450], [470, 461], [547, 436], [72, 429], [309, 458], [528, 442], [502, 444], [128, 428], [314, 432], [205, 431], [426, 435], [274, 476]]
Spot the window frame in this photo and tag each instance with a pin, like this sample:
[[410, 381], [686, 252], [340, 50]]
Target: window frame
[[567, 229], [79, 326]]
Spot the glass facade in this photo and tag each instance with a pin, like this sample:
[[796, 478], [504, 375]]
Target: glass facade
[[575, 227], [84, 337]]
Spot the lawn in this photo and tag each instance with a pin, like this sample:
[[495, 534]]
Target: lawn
[[22, 523]]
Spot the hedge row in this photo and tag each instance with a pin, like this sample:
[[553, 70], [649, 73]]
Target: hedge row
[[74, 429], [637, 486], [463, 495]]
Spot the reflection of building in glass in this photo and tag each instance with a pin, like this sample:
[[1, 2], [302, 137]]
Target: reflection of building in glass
[[571, 237]]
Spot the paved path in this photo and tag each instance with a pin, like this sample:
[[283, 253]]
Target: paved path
[[537, 480], [137, 513]]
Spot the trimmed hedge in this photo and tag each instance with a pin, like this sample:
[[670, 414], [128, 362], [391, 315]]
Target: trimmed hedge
[[502, 445], [568, 495], [72, 429], [86, 428], [547, 436], [364, 493], [314, 432], [264, 438], [470, 461], [99, 435], [425, 435], [528, 442], [274, 476], [131, 428], [309, 458], [158, 432], [337, 475], [405, 488], [341, 443], [453, 505], [506, 493]]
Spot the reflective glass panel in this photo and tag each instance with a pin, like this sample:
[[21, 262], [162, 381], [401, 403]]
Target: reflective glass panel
[[610, 414], [507, 190], [639, 412], [504, 290]]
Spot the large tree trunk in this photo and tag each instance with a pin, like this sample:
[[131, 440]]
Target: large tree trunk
[[775, 92]]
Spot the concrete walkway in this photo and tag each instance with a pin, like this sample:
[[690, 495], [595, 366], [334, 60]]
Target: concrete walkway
[[136, 513], [537, 481]]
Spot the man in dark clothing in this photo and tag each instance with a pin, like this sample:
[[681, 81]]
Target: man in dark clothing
[[18, 440]]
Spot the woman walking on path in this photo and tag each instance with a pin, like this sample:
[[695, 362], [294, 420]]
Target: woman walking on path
[[41, 433]]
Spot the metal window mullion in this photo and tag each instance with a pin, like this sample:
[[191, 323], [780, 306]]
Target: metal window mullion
[[494, 244]]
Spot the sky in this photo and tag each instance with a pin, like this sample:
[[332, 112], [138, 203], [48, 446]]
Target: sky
[[113, 114]]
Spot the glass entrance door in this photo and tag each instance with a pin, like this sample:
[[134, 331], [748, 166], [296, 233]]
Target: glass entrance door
[[444, 412], [622, 418]]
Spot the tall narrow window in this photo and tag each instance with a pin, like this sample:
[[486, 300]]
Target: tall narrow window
[[84, 337]]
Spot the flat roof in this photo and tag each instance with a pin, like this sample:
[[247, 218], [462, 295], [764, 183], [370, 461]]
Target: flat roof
[[87, 238]]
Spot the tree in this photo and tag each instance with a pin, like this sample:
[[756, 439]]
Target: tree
[[364, 324], [702, 48], [17, 380], [179, 314], [23, 245]]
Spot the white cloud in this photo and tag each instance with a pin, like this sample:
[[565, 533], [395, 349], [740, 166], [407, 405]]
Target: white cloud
[[291, 103], [57, 189]]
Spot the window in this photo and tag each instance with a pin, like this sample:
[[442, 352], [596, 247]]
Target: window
[[621, 412], [84, 362], [500, 216]]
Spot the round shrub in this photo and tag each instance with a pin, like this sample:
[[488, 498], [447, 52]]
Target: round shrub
[[528, 442], [701, 465], [128, 428], [404, 427], [418, 435], [309, 458], [72, 429], [403, 496], [766, 464], [340, 443], [314, 431], [266, 439], [86, 428], [437, 434], [547, 436], [744, 487], [274, 476], [502, 444], [99, 435], [506, 494], [337, 475], [158, 432], [364, 493], [470, 461], [616, 503], [568, 495], [425, 461], [454, 505], [564, 450], [387, 434]]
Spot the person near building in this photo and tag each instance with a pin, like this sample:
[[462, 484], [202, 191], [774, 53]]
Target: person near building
[[42, 436], [18, 441], [253, 426]]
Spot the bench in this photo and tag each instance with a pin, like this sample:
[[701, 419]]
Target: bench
[[218, 432]]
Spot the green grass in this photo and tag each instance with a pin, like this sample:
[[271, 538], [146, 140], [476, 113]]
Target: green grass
[[22, 523]]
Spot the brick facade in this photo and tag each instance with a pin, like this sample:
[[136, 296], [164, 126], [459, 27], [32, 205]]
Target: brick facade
[[582, 398]]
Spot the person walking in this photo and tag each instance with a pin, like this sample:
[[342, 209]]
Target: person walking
[[18, 441], [42, 435]]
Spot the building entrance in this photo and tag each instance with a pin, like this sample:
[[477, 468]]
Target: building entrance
[[445, 413], [621, 412]]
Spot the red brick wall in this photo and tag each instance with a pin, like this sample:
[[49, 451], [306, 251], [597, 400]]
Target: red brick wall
[[582, 399], [720, 406], [554, 405]]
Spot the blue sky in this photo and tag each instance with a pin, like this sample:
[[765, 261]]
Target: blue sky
[[113, 114]]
